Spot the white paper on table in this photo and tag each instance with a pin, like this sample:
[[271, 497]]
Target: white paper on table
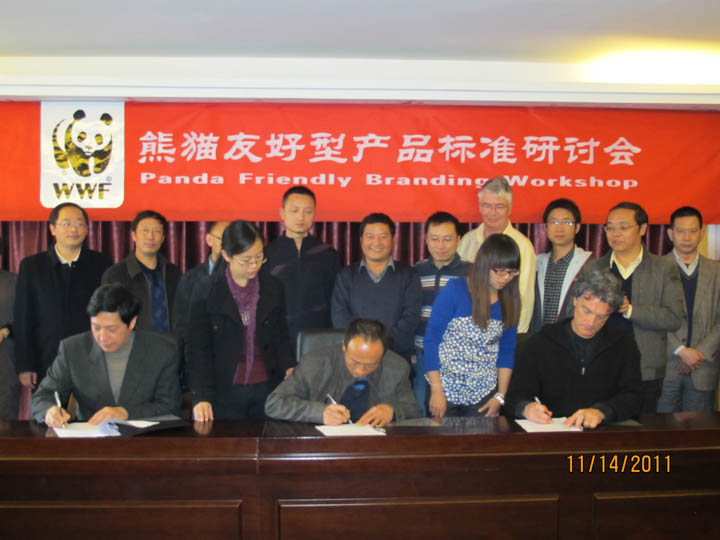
[[78, 429], [349, 430], [83, 429], [556, 424]]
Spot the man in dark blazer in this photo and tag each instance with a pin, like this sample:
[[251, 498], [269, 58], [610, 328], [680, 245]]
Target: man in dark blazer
[[9, 384], [114, 371], [653, 303], [148, 275], [186, 285], [52, 292], [183, 294], [691, 376]]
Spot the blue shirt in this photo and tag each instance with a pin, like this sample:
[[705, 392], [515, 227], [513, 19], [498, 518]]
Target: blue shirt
[[466, 355]]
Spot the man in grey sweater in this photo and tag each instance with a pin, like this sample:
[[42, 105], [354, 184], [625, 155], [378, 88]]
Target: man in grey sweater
[[359, 380]]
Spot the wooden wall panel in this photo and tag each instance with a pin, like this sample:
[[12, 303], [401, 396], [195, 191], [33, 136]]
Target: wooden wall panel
[[657, 515], [218, 520], [497, 518]]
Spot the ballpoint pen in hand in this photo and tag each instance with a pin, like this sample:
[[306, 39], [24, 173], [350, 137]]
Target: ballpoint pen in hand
[[335, 403], [57, 401]]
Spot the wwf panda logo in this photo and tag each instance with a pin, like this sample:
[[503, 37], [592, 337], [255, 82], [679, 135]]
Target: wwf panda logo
[[86, 145]]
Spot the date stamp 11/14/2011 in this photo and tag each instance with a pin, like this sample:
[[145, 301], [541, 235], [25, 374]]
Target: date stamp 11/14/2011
[[619, 463]]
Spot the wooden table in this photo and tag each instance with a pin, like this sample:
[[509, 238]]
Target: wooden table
[[468, 478]]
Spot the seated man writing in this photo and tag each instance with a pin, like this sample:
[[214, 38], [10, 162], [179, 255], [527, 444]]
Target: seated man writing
[[360, 381], [114, 371], [579, 367]]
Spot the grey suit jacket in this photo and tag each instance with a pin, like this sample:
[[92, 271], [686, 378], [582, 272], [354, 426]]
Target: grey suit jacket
[[657, 308], [706, 326], [302, 397], [150, 386]]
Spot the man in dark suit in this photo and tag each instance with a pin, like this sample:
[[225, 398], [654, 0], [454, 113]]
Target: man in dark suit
[[183, 294], [114, 371], [52, 292], [148, 275], [9, 385]]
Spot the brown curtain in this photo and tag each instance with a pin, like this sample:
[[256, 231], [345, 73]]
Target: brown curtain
[[185, 241]]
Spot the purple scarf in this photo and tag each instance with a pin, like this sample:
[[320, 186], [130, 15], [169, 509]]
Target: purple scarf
[[246, 299]]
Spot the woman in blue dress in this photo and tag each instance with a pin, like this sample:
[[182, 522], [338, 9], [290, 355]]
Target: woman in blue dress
[[471, 334]]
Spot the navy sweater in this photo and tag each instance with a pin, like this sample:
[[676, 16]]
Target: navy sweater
[[395, 302]]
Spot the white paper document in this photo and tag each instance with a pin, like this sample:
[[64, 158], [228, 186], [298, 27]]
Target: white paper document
[[349, 430], [556, 424], [83, 429]]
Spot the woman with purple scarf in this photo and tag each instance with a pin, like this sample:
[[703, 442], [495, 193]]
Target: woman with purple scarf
[[238, 348]]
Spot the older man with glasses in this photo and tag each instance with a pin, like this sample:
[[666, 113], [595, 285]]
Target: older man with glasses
[[495, 200], [653, 299]]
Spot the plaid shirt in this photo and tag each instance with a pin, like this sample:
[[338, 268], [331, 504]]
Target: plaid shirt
[[554, 277]]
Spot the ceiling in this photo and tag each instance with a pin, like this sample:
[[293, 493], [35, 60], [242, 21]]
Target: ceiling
[[144, 48]]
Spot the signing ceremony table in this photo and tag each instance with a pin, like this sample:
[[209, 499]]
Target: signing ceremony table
[[466, 478]]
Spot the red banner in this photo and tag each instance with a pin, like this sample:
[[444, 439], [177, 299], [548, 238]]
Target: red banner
[[231, 161]]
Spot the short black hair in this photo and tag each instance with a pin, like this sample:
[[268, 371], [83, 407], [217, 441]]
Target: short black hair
[[377, 217], [685, 211], [368, 330], [565, 204], [239, 236], [442, 217], [112, 298], [55, 212], [149, 214], [641, 217], [298, 190]]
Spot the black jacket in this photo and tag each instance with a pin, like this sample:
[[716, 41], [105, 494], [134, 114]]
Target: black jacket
[[50, 304], [183, 295], [215, 342], [545, 368], [130, 274], [308, 277]]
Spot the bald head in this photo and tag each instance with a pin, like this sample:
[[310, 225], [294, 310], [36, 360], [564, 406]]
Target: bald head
[[214, 239]]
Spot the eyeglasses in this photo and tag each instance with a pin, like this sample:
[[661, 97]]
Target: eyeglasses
[[506, 272], [622, 228], [564, 222], [497, 207], [258, 260], [69, 224]]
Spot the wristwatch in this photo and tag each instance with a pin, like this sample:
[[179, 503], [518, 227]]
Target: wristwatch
[[500, 397]]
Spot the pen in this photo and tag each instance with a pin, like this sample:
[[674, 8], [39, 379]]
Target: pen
[[548, 413], [57, 401], [335, 403]]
